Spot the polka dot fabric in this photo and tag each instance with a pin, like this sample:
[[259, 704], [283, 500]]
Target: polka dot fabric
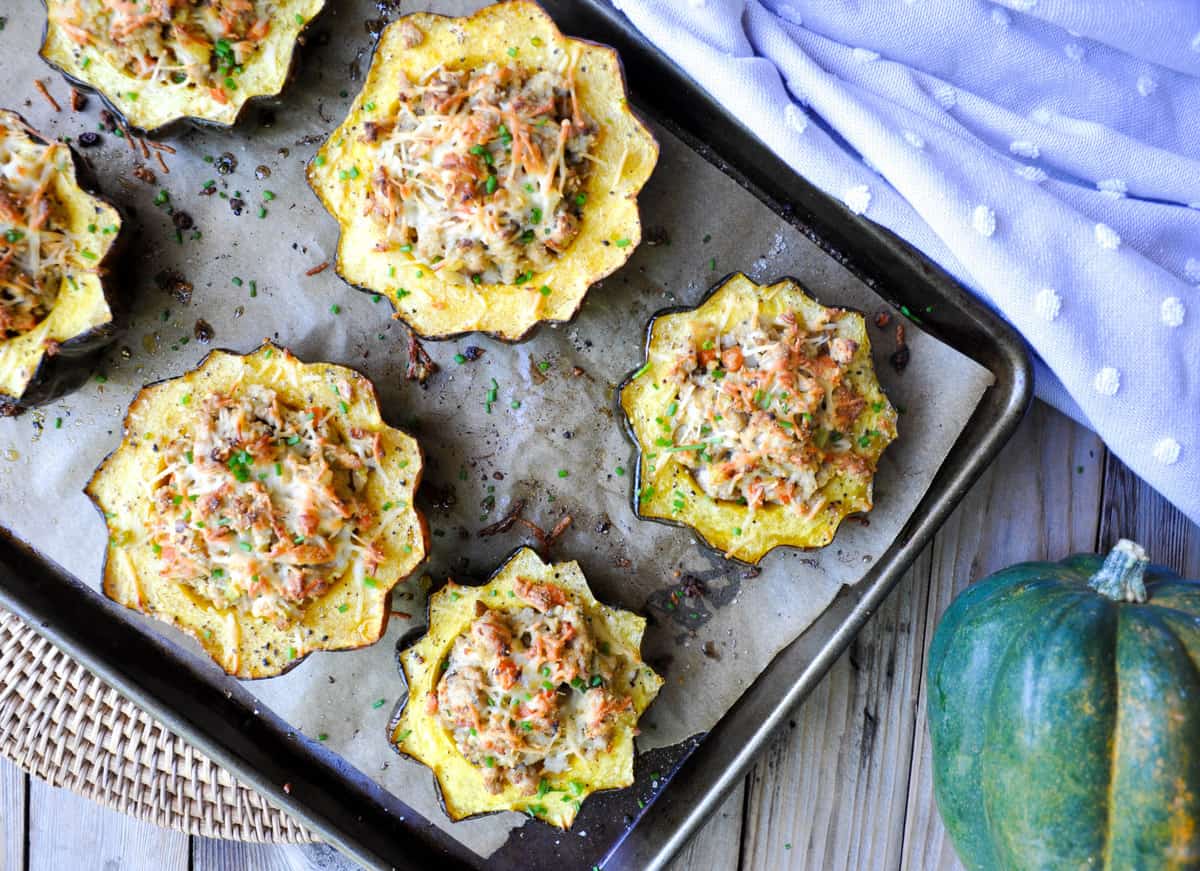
[[1042, 151]]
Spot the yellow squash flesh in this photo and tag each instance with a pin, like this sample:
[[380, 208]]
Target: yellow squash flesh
[[151, 105], [419, 734], [662, 482], [625, 155], [81, 320], [350, 613]]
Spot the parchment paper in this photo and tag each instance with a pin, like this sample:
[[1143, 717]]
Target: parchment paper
[[712, 627]]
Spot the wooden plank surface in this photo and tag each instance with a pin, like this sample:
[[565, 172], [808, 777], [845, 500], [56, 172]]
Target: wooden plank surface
[[847, 784], [13, 786], [212, 855], [67, 831], [1041, 499], [844, 757], [716, 846]]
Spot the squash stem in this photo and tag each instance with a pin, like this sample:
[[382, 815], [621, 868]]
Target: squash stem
[[1121, 578]]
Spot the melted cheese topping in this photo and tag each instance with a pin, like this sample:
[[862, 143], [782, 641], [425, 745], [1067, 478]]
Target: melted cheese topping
[[762, 411], [196, 43], [481, 173], [34, 241], [523, 691], [263, 506]]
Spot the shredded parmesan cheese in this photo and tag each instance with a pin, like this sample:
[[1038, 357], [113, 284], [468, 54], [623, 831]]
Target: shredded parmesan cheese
[[34, 240], [188, 43], [262, 506], [763, 411], [524, 691], [480, 173]]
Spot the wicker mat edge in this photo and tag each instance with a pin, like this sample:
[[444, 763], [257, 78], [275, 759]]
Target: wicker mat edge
[[62, 724]]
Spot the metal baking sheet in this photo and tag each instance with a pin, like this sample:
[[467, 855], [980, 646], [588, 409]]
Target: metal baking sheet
[[564, 420]]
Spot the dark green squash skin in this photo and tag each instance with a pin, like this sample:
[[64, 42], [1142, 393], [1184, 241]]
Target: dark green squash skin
[[1065, 724]]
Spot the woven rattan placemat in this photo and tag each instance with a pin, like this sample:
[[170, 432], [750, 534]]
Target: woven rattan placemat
[[61, 723]]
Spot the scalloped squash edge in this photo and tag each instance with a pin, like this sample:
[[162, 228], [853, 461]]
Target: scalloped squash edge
[[734, 530], [56, 355], [610, 229], [152, 107], [350, 614], [418, 734]]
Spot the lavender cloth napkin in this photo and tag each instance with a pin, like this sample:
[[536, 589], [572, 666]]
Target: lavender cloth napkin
[[1045, 152]]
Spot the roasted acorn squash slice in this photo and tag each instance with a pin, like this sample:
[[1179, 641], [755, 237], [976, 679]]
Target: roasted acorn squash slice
[[205, 64], [548, 602], [757, 417], [261, 505], [57, 244], [484, 230]]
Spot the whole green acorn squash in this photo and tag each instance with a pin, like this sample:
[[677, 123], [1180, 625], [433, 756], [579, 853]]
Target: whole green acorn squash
[[1064, 708]]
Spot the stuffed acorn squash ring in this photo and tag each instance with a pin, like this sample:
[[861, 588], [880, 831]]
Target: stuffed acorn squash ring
[[260, 504], [758, 419], [57, 242], [525, 693], [161, 61], [487, 174]]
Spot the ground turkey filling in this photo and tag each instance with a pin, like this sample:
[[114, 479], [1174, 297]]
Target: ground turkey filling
[[523, 691], [195, 43], [263, 506], [762, 411], [481, 173], [33, 242]]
